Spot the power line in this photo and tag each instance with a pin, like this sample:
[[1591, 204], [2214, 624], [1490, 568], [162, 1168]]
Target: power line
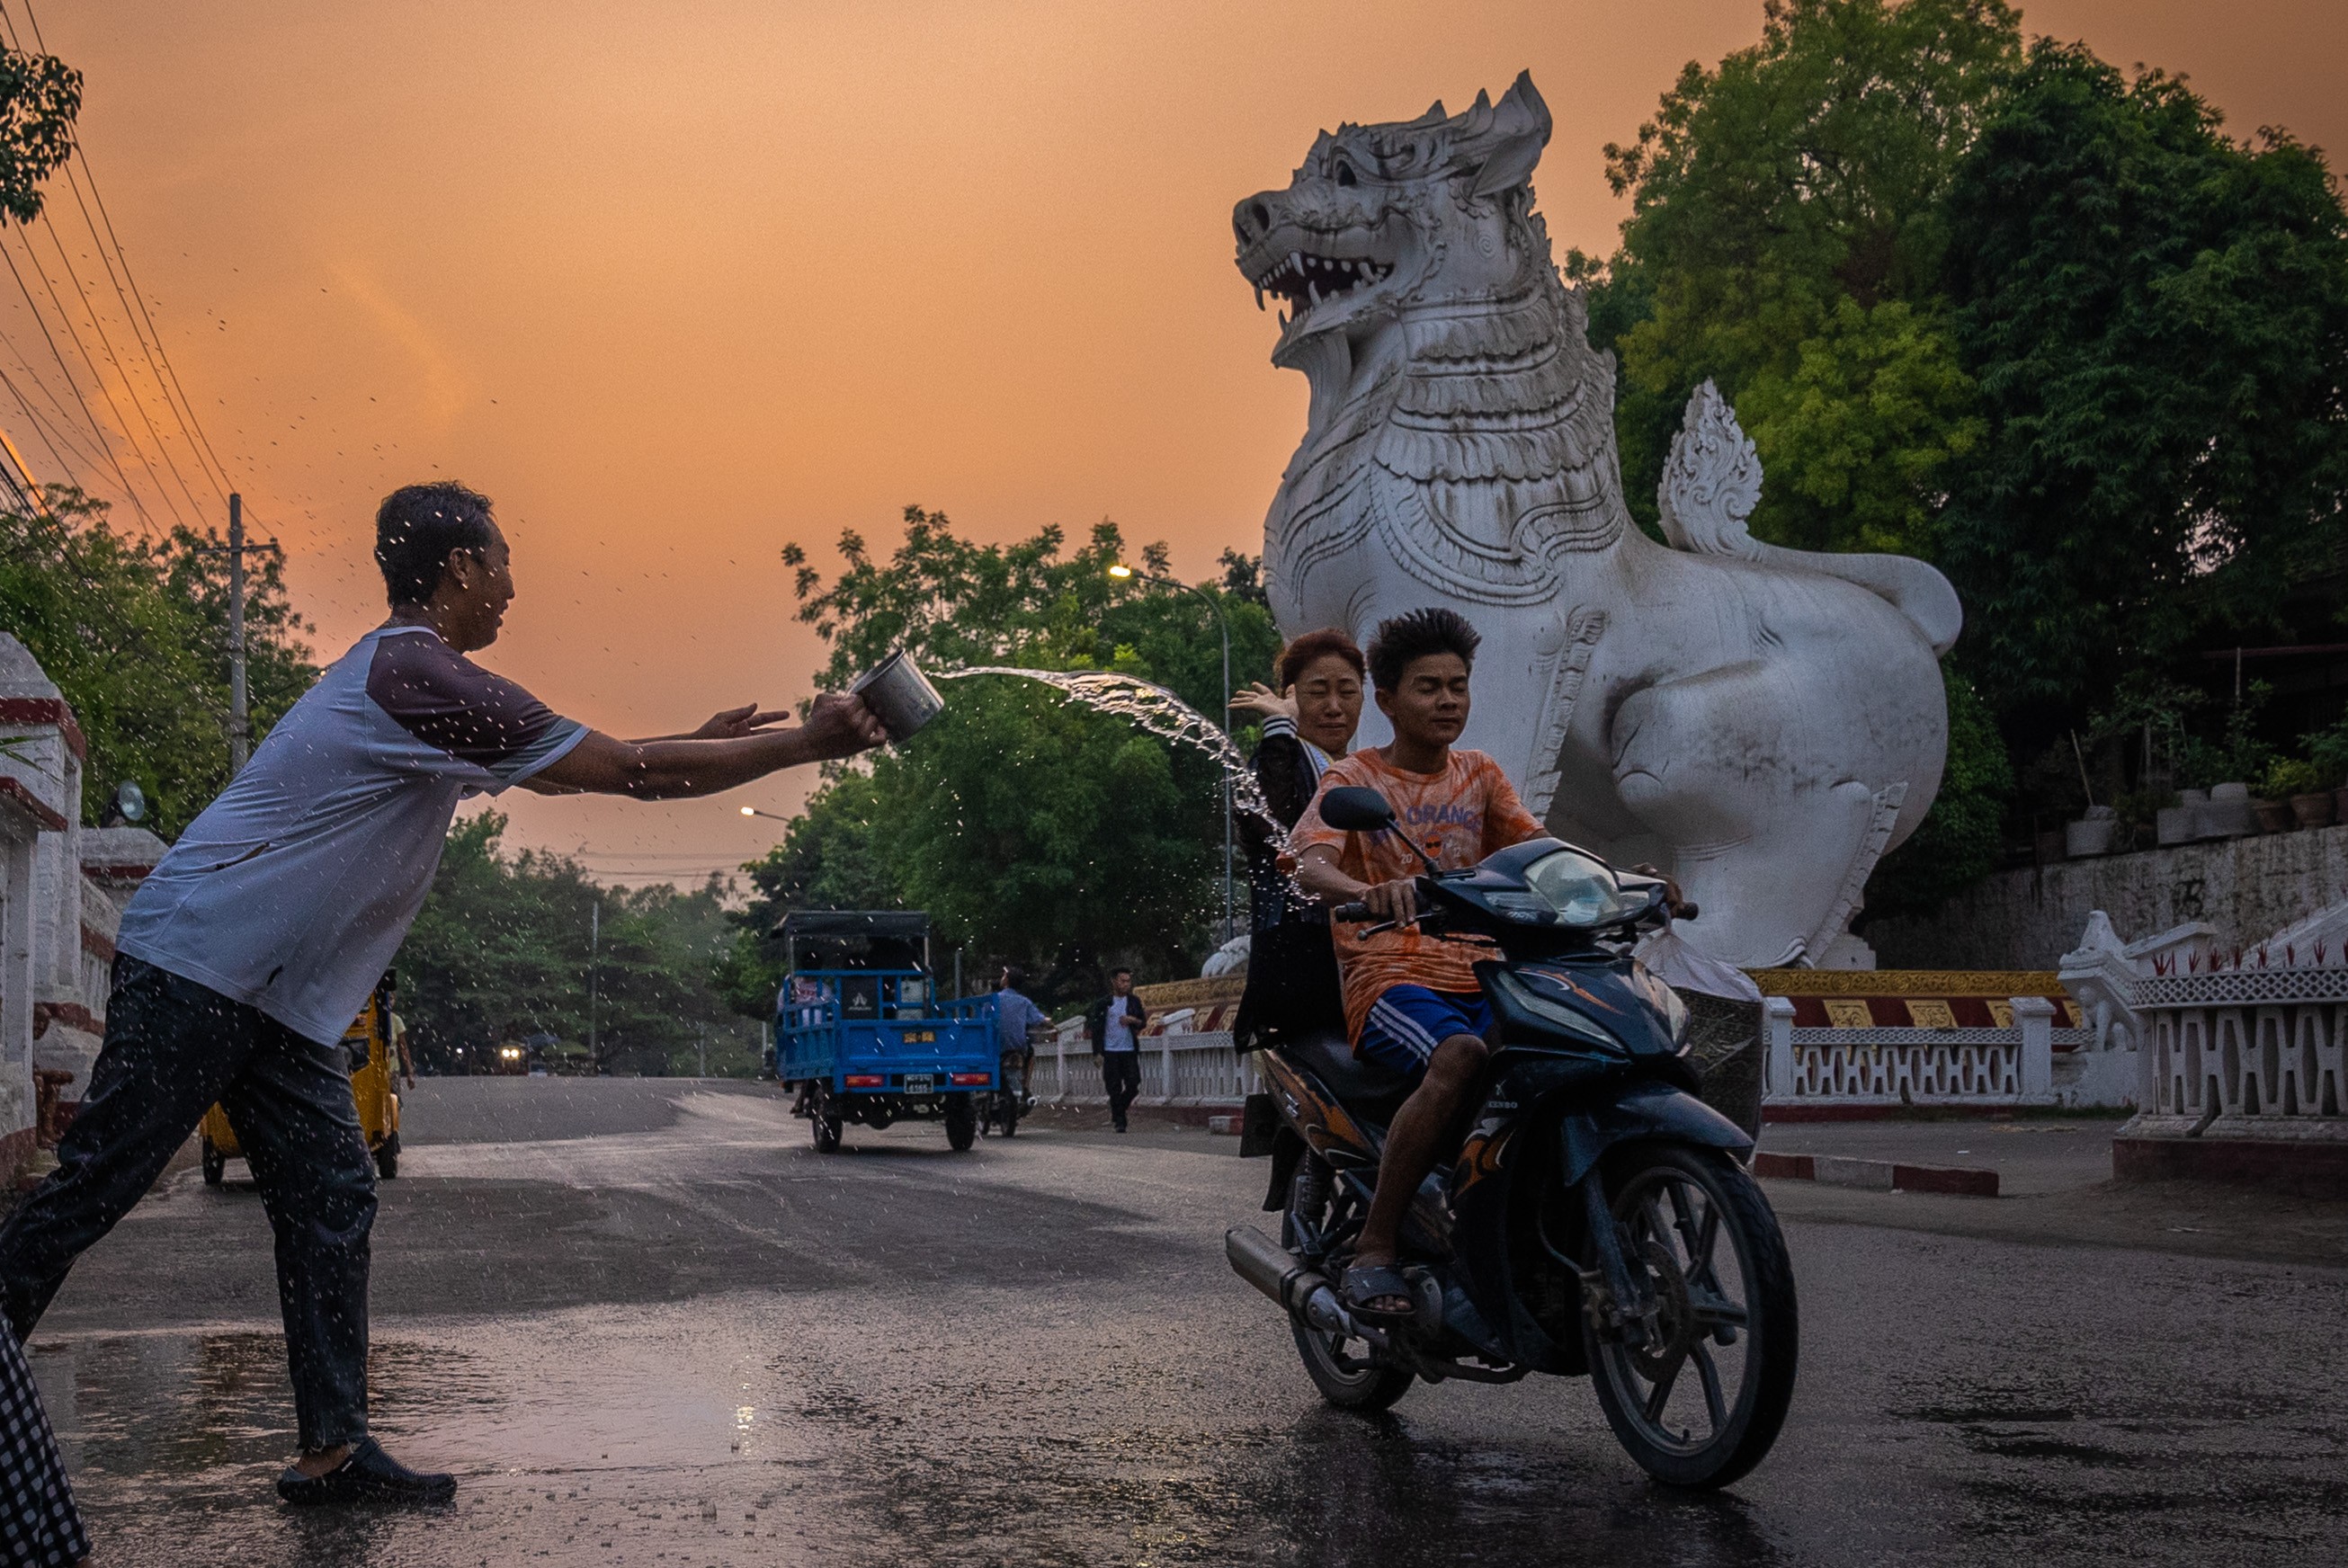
[[30, 304], [49, 436], [145, 334], [128, 386], [166, 379], [98, 375]]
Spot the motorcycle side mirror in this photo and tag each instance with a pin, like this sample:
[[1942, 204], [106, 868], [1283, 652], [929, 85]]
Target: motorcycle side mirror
[[1353, 809]]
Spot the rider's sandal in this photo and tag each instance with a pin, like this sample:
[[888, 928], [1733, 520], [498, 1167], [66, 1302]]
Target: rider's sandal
[[1367, 1282]]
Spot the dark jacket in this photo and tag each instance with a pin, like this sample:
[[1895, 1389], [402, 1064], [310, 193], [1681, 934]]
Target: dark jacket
[[1097, 1019], [1292, 975]]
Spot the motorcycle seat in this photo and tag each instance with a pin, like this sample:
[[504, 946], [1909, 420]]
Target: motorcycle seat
[[1367, 1089]]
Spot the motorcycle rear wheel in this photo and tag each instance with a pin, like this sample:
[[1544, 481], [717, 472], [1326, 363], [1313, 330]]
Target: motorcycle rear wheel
[[1720, 1315], [1341, 1367]]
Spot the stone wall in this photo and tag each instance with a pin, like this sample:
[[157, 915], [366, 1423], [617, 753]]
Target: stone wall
[[2246, 887]]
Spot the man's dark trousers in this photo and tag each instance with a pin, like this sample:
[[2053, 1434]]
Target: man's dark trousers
[[172, 1048], [1121, 1076]]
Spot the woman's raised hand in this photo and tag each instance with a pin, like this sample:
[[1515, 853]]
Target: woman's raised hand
[[1256, 697]]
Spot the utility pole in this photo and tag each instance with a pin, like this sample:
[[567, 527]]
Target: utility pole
[[594, 947], [240, 725]]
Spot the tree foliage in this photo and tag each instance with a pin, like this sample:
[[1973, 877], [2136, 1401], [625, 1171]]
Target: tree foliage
[[1785, 239], [502, 950], [40, 96], [2157, 319], [134, 634], [2012, 310], [1029, 830]]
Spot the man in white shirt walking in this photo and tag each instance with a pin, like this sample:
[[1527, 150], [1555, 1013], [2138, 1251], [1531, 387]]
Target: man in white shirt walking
[[1115, 1023]]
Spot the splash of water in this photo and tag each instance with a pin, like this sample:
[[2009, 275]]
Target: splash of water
[[1153, 708]]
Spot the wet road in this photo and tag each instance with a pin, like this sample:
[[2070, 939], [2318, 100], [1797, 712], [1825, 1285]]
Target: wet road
[[648, 1324]]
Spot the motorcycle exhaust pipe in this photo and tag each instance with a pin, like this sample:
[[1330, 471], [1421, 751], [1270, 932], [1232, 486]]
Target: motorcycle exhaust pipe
[[1262, 1263], [1296, 1289]]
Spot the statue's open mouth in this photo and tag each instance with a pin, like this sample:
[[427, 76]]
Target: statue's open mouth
[[1306, 281]]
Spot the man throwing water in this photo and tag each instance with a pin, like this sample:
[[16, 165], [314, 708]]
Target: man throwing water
[[1412, 1002], [251, 948]]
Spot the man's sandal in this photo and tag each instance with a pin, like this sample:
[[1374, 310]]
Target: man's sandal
[[1368, 1283]]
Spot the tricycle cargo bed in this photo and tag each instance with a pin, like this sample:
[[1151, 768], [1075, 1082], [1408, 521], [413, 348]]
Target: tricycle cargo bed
[[860, 1030]]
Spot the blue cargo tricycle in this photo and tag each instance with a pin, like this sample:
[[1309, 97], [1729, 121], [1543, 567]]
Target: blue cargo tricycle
[[861, 1032]]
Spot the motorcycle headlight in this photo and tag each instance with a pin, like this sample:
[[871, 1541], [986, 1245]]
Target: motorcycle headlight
[[1564, 1018], [1523, 909]]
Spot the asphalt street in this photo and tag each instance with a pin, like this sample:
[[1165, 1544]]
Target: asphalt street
[[648, 1324]]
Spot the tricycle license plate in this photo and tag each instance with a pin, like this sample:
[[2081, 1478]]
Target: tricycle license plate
[[921, 1084]]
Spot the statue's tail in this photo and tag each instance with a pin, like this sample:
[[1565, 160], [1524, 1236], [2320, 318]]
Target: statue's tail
[[1711, 484]]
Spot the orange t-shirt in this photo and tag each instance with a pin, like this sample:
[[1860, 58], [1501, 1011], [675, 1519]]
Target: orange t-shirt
[[1458, 816]]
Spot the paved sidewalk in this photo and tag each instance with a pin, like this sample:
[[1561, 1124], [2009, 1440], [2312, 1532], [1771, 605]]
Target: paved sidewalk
[[2031, 1156], [2056, 1189]]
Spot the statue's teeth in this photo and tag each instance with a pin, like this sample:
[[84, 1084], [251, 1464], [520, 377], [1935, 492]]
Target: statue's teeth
[[1259, 296], [1313, 289]]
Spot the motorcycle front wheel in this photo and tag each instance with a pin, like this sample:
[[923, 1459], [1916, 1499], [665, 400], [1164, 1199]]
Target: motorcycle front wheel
[[1698, 1402]]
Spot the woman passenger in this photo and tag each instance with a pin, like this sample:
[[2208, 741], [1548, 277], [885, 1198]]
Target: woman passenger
[[1309, 722]]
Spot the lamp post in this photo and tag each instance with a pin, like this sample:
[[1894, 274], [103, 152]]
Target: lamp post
[[770, 816], [1125, 573]]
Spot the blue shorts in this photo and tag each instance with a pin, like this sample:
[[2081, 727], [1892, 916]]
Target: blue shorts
[[1408, 1023]]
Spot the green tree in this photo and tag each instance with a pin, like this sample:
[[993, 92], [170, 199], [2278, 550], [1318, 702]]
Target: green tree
[[2157, 317], [134, 634], [40, 96], [1029, 830], [1786, 238], [501, 950]]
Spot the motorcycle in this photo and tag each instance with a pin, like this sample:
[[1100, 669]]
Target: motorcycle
[[1598, 1219]]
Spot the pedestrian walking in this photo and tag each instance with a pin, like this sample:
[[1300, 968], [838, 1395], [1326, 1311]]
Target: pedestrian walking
[[251, 948], [39, 1527], [1115, 1024]]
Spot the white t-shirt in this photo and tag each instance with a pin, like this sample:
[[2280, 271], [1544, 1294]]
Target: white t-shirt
[[293, 889], [1116, 1031]]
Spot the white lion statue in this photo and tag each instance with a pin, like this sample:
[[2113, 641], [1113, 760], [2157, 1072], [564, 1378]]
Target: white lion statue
[[1762, 722]]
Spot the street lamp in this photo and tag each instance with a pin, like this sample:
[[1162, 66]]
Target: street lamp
[[770, 816], [1123, 573]]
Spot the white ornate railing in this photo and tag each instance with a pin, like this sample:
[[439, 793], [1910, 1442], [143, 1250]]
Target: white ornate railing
[[2032, 1064], [2271, 1069], [1177, 1068]]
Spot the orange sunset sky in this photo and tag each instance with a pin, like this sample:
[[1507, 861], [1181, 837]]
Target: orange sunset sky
[[675, 283]]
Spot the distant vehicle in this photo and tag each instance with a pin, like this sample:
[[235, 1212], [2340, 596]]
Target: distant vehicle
[[373, 1071], [861, 1032]]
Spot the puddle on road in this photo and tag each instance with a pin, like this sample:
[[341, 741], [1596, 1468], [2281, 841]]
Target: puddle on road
[[691, 1436]]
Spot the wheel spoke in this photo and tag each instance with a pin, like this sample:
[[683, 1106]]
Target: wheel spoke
[[1709, 1376], [1661, 1394], [1715, 1310]]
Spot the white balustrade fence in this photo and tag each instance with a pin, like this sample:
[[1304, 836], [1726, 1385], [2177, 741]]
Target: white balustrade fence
[[1177, 1068], [2032, 1063], [2260, 1051]]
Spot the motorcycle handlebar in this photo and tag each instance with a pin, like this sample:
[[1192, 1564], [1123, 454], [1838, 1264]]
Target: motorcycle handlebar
[[1354, 913]]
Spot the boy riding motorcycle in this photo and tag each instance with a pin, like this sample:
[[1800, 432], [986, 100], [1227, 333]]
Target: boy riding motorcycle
[[1412, 1002]]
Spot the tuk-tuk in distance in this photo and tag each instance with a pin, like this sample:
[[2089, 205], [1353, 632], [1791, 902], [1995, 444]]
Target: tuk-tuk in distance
[[374, 1069], [861, 1032]]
